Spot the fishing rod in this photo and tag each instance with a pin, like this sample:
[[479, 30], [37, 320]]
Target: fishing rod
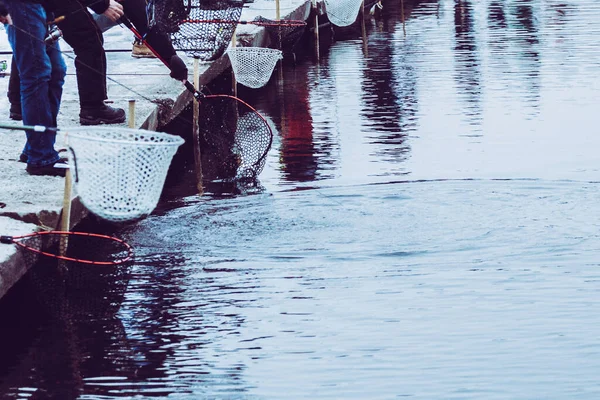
[[247, 131], [188, 85]]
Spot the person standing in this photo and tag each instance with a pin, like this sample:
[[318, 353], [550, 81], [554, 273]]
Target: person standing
[[80, 31], [83, 32], [42, 71]]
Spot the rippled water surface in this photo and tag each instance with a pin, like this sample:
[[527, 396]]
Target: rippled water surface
[[426, 226]]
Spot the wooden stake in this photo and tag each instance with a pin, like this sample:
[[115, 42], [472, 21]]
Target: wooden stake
[[131, 122], [364, 31], [233, 80], [402, 16], [317, 50], [65, 221], [279, 35], [196, 131]]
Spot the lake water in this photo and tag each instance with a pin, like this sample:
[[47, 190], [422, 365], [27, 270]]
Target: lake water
[[426, 226]]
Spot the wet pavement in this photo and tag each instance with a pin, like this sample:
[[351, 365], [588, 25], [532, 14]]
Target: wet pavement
[[426, 226]]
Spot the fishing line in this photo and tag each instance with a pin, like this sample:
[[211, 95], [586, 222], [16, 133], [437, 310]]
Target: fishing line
[[238, 145], [65, 53]]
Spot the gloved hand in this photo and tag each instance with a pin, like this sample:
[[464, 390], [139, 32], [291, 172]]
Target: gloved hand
[[3, 9], [178, 68], [4, 16]]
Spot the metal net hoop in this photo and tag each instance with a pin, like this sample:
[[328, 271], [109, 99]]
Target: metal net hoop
[[253, 66], [342, 12], [204, 40], [120, 172]]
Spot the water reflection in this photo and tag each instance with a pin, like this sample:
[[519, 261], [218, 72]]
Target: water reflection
[[527, 38], [468, 63], [46, 357], [389, 88], [319, 292]]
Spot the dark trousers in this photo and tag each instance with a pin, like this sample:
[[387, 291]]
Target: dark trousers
[[82, 33]]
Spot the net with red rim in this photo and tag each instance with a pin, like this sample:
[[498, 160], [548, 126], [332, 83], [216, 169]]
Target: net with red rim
[[235, 138]]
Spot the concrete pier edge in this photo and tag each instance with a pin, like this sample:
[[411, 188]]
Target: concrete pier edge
[[31, 203]]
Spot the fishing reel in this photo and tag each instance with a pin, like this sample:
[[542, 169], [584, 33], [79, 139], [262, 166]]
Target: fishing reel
[[53, 34]]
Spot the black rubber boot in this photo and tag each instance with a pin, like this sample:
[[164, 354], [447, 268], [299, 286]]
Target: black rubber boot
[[101, 115], [15, 112]]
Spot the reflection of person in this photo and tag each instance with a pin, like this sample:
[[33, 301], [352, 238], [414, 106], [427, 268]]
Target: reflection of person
[[42, 70]]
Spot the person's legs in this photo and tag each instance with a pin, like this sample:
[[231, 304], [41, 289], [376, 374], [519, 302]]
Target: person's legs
[[26, 37], [14, 92], [82, 33], [57, 79]]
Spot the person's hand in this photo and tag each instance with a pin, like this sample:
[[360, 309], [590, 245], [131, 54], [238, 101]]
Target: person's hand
[[114, 11]]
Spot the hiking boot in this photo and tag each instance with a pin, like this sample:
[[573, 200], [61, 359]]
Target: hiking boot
[[59, 168], [101, 115], [140, 50], [24, 158], [15, 112]]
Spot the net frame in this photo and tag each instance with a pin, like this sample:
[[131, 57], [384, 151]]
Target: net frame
[[235, 138], [253, 66], [120, 172], [342, 12]]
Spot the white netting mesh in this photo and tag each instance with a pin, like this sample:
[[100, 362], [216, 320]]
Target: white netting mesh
[[253, 66], [342, 12], [119, 173]]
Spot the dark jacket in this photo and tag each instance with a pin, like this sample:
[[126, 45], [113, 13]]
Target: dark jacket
[[64, 7]]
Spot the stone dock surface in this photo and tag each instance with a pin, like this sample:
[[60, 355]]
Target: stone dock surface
[[30, 203]]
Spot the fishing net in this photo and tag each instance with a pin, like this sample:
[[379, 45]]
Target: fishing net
[[253, 66], [235, 139], [119, 172], [285, 34], [342, 12], [78, 291], [201, 28], [166, 15]]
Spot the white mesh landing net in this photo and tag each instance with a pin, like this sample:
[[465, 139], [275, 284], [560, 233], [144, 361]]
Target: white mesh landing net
[[342, 12], [253, 66], [119, 173]]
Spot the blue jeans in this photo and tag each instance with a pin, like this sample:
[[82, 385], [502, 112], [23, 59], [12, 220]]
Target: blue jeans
[[42, 71]]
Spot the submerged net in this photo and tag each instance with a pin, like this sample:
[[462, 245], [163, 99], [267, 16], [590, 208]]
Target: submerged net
[[253, 66], [235, 139], [342, 12], [186, 21], [77, 291], [119, 172]]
